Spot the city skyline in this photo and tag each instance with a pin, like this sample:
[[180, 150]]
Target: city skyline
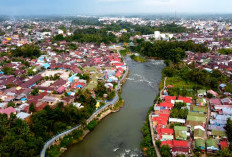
[[100, 7]]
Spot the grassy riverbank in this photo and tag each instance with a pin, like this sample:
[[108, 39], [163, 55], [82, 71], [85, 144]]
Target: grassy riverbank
[[78, 135], [138, 58]]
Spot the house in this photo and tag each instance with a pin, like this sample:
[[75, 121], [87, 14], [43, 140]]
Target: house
[[165, 134], [61, 89], [8, 111], [199, 133], [215, 101], [22, 115], [226, 101], [194, 119], [168, 142], [180, 147], [50, 100], [201, 93], [187, 100], [200, 143], [181, 132], [166, 105], [176, 120], [218, 134], [212, 145], [201, 102], [224, 145], [169, 98]]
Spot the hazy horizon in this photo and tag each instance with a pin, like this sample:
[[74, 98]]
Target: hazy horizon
[[114, 7]]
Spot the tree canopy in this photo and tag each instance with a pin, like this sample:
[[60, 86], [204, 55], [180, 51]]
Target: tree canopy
[[26, 50], [174, 50]]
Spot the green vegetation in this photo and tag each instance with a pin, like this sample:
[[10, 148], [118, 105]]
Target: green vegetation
[[84, 76], [225, 51], [32, 108], [165, 150], [124, 52], [189, 76], [229, 132], [11, 104], [68, 140], [92, 35], [146, 144], [86, 21], [92, 125], [172, 28], [138, 58], [119, 104], [19, 138], [25, 51], [2, 32], [101, 89], [178, 112], [173, 51], [138, 29], [16, 138], [8, 70], [58, 37], [35, 92], [111, 95]]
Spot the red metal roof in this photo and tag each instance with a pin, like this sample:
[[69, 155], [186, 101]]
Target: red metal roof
[[177, 143], [166, 104], [170, 98], [185, 99], [169, 143], [166, 131]]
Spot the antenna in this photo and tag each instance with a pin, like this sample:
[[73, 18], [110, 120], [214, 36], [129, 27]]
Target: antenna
[[175, 15]]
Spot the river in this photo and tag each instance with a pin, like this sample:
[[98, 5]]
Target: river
[[119, 134]]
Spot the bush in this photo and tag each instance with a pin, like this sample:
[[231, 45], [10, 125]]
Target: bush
[[92, 125]]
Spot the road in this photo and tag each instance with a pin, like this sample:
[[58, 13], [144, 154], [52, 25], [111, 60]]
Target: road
[[112, 102], [151, 125], [153, 136]]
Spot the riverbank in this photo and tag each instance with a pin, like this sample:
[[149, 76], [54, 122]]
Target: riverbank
[[119, 134], [138, 58], [78, 135]]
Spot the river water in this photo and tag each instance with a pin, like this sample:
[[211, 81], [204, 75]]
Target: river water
[[119, 134]]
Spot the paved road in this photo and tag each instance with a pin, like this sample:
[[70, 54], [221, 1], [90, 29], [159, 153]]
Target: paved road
[[112, 102], [153, 136]]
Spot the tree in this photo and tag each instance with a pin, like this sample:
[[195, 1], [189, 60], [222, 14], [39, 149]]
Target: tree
[[111, 95], [27, 50], [8, 70], [11, 104], [35, 92], [165, 151], [101, 89], [59, 37], [32, 108]]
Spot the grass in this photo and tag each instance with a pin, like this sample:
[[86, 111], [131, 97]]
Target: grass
[[178, 82], [118, 105], [124, 52], [138, 58]]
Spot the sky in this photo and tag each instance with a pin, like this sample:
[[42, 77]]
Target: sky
[[106, 7]]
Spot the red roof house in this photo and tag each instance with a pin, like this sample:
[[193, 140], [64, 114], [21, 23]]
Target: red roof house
[[223, 144], [169, 143], [166, 105]]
